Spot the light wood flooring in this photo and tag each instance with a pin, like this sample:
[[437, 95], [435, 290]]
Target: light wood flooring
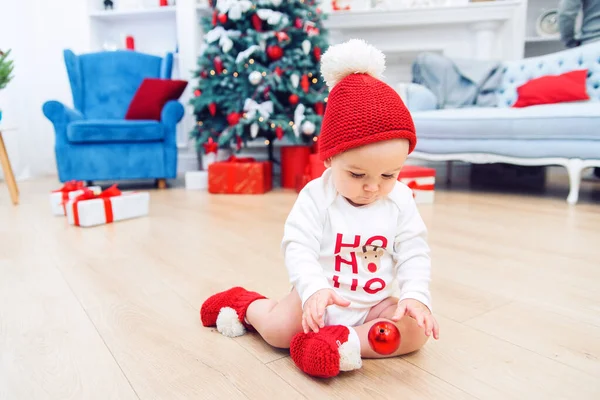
[[112, 312]]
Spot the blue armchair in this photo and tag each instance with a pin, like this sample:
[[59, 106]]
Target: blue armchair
[[94, 141]]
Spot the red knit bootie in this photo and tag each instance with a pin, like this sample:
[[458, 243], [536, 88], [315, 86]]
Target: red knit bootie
[[227, 311], [324, 354]]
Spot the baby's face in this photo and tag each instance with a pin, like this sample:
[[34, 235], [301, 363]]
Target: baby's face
[[365, 174]]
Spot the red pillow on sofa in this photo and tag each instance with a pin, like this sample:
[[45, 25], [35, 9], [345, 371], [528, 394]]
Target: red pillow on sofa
[[550, 89], [152, 95]]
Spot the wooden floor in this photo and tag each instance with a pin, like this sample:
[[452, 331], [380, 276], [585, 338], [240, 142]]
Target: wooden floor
[[112, 312]]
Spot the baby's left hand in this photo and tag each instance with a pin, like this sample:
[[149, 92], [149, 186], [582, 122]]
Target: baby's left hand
[[419, 311]]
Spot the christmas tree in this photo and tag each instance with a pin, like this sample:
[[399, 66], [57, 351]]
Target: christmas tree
[[258, 75]]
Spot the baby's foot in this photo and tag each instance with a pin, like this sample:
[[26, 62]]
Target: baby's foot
[[324, 354], [227, 311]]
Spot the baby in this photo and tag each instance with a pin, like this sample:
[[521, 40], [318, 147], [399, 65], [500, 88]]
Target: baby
[[353, 237]]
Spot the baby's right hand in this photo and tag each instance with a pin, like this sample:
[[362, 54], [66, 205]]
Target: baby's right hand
[[314, 308]]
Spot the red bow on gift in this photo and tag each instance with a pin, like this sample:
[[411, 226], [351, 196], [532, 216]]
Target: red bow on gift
[[69, 186], [413, 185], [87, 194], [211, 146], [235, 159]]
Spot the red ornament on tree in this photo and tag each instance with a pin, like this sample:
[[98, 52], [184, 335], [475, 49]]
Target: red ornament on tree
[[233, 118], [298, 23], [274, 52], [214, 18], [384, 337], [319, 108], [163, 3], [281, 36], [212, 109], [304, 83], [203, 74], [256, 22], [223, 18], [210, 146], [279, 132], [317, 53], [278, 71], [218, 63], [294, 99], [197, 92], [239, 142]]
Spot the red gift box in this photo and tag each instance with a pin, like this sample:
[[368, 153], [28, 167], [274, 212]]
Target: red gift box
[[240, 176], [294, 160], [421, 180]]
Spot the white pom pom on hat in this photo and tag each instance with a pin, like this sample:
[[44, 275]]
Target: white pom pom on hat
[[352, 57]]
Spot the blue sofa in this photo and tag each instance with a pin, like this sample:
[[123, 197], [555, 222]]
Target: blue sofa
[[94, 141], [564, 134]]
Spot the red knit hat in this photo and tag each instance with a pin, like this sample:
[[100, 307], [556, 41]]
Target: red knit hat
[[361, 109]]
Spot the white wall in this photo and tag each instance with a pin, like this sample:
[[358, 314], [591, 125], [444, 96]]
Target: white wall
[[38, 39]]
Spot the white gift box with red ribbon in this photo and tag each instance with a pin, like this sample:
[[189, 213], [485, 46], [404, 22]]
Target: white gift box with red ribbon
[[70, 190], [421, 180], [109, 206]]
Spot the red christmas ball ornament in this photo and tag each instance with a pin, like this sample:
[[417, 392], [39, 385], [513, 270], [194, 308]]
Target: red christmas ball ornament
[[204, 74], [233, 118], [294, 99], [384, 337], [274, 52], [298, 23], [279, 132], [319, 108], [197, 92], [317, 53], [218, 63], [222, 18], [212, 109], [256, 22], [304, 83], [278, 71], [281, 36]]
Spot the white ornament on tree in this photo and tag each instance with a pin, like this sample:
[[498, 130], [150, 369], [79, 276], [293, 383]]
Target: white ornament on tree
[[298, 118], [255, 77], [295, 79], [308, 128], [306, 45], [254, 130], [234, 8], [226, 44]]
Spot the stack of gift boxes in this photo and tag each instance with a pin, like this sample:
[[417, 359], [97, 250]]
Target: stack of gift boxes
[[87, 206], [299, 165]]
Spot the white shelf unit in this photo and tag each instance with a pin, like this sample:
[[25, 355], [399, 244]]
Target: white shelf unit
[[133, 14]]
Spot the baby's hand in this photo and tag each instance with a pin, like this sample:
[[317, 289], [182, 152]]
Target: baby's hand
[[314, 308], [419, 311]]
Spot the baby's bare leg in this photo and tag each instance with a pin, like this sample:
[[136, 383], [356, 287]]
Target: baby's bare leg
[[277, 321], [412, 336]]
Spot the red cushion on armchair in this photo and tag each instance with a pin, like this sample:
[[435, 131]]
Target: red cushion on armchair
[[152, 95], [570, 86]]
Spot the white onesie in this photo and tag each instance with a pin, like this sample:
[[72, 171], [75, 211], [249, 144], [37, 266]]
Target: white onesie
[[361, 252]]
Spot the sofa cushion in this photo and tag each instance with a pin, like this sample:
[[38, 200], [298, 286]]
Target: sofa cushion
[[564, 121], [551, 89], [90, 131], [151, 97]]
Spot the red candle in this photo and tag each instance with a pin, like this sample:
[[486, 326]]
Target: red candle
[[129, 42]]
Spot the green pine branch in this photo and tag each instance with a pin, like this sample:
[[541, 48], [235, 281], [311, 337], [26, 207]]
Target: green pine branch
[[6, 69]]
